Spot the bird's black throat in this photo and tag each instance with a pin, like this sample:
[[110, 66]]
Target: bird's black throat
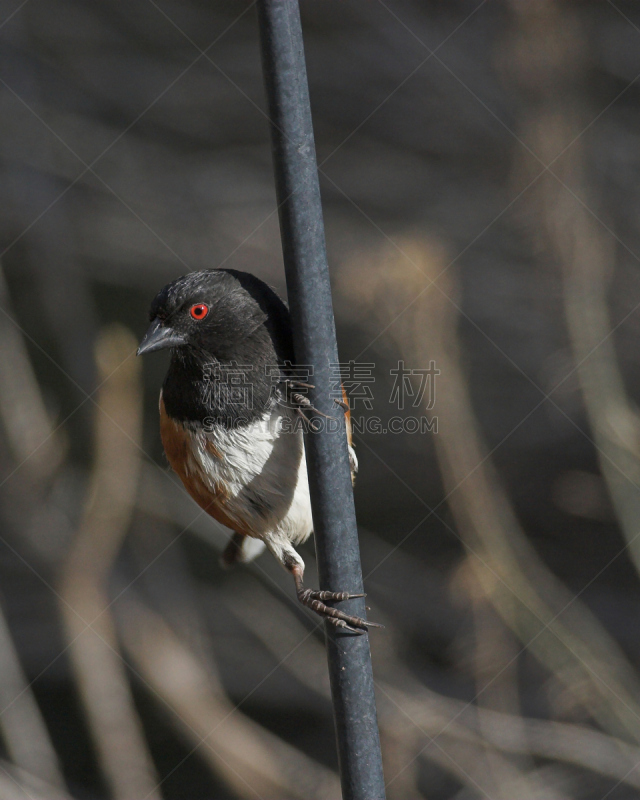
[[229, 392]]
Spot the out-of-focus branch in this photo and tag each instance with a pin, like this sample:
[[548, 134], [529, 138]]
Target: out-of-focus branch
[[23, 729], [550, 622], [39, 450], [469, 758], [281, 632], [520, 586], [249, 758], [26, 421], [582, 747], [586, 254], [101, 676], [582, 246], [406, 699], [495, 666], [19, 784]]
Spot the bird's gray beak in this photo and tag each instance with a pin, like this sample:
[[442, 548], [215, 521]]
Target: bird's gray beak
[[158, 337]]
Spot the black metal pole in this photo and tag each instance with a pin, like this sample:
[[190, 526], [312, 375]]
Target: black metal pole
[[309, 292]]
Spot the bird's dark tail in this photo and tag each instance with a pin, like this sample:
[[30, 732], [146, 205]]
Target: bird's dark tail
[[240, 550]]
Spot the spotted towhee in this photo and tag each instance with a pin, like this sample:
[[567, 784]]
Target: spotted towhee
[[230, 413]]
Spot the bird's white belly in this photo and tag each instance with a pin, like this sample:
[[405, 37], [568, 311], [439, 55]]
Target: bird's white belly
[[263, 472]]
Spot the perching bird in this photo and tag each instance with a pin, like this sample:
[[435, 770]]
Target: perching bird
[[230, 410]]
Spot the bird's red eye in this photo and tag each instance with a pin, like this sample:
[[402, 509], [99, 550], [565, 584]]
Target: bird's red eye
[[199, 311]]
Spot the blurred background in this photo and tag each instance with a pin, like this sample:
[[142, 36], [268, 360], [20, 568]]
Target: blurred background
[[480, 166]]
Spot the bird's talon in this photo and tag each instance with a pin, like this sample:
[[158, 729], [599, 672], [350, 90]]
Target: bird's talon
[[339, 623], [314, 600], [301, 384]]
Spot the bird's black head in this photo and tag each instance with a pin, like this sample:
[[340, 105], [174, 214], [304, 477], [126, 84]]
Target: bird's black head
[[216, 317], [211, 313]]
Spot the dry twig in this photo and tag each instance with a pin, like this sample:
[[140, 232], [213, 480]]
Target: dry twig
[[100, 672], [549, 621], [247, 756]]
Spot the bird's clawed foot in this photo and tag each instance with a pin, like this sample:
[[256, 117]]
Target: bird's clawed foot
[[314, 594], [315, 600], [301, 401]]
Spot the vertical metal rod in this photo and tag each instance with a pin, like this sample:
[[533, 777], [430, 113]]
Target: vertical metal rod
[[309, 292]]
